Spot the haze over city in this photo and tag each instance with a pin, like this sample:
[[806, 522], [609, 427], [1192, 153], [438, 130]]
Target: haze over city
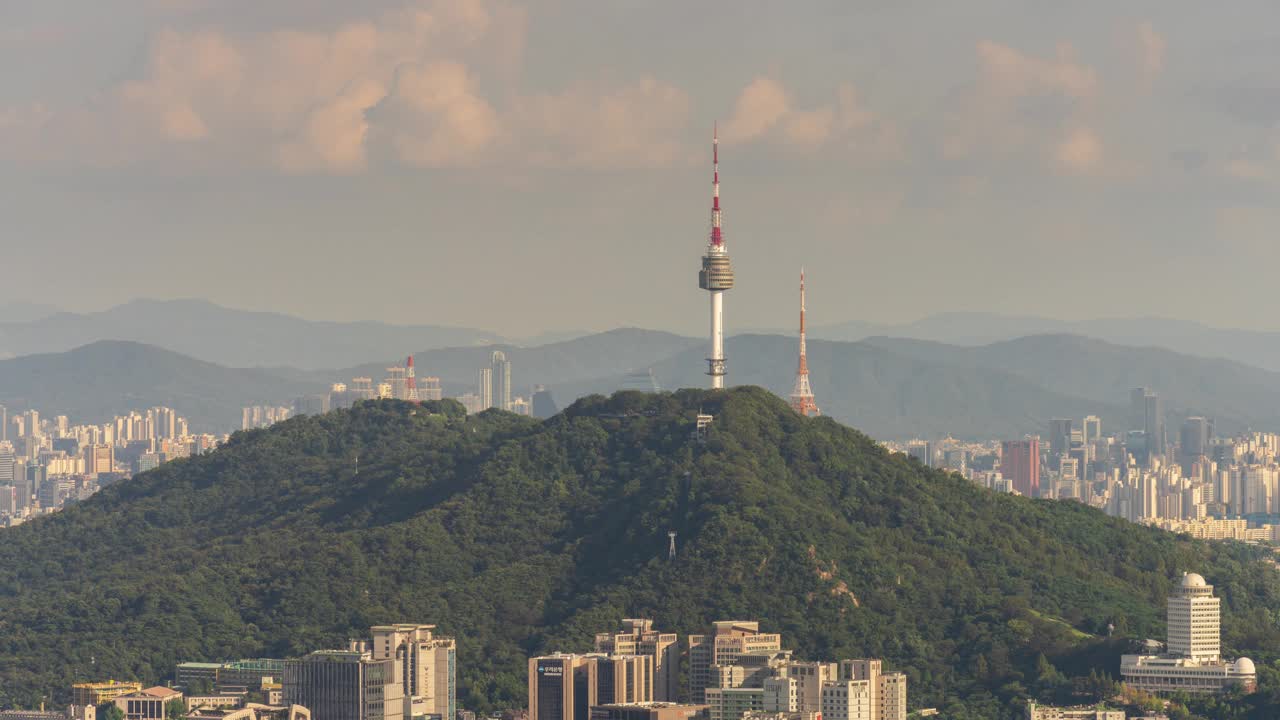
[[433, 158]]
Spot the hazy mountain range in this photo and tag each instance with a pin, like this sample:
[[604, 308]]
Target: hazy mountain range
[[1251, 347], [98, 381], [890, 388], [242, 338], [230, 337]]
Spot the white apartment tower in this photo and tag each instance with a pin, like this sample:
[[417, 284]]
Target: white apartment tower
[[1194, 620], [501, 381]]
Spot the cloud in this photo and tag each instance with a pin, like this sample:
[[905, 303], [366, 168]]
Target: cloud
[[301, 100], [1024, 107], [760, 106], [1080, 152], [764, 109], [1151, 47], [435, 117], [636, 125], [430, 84], [1007, 72]]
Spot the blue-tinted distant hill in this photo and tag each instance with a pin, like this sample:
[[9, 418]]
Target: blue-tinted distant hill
[[239, 338], [98, 381], [602, 355]]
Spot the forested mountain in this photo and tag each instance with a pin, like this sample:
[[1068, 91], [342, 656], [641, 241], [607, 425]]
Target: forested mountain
[[98, 381], [521, 536], [887, 393], [239, 338]]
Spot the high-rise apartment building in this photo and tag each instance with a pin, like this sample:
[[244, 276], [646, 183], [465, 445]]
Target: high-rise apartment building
[[8, 463], [426, 668], [501, 381], [344, 685], [1020, 464], [729, 639], [484, 388], [637, 637], [429, 388]]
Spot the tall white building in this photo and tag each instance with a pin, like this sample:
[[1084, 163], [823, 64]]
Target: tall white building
[[1194, 620], [501, 380], [1193, 662], [484, 388]]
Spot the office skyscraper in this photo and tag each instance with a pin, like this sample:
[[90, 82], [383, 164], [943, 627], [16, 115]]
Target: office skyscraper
[[728, 640], [1020, 464], [566, 687], [501, 381], [426, 668], [1059, 437], [637, 637], [1154, 425], [344, 685]]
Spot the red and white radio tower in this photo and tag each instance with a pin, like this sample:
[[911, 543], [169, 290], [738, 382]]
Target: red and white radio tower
[[410, 382], [802, 395]]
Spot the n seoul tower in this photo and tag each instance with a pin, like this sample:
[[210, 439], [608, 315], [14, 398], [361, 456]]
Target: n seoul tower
[[716, 274]]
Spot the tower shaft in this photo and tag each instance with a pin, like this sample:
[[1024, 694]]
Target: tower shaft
[[716, 275]]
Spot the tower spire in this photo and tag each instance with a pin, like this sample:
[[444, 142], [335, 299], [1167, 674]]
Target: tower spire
[[802, 395], [717, 240]]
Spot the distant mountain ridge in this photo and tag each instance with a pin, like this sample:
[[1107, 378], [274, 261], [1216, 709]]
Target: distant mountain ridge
[[893, 388], [1251, 347], [98, 381], [237, 338]]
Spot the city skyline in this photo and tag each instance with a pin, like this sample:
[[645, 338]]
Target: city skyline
[[1008, 138]]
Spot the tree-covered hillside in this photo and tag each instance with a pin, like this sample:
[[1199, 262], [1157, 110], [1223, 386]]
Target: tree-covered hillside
[[522, 536]]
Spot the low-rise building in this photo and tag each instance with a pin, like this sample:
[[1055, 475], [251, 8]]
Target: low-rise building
[[649, 711], [149, 704], [101, 693], [1046, 712]]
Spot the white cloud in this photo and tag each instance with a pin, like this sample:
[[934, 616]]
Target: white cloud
[[764, 109], [637, 125]]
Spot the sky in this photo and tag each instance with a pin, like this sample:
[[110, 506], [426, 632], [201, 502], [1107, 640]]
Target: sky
[[527, 167]]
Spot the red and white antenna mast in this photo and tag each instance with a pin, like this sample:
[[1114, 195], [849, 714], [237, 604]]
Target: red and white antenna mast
[[802, 394], [716, 275], [410, 382]]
